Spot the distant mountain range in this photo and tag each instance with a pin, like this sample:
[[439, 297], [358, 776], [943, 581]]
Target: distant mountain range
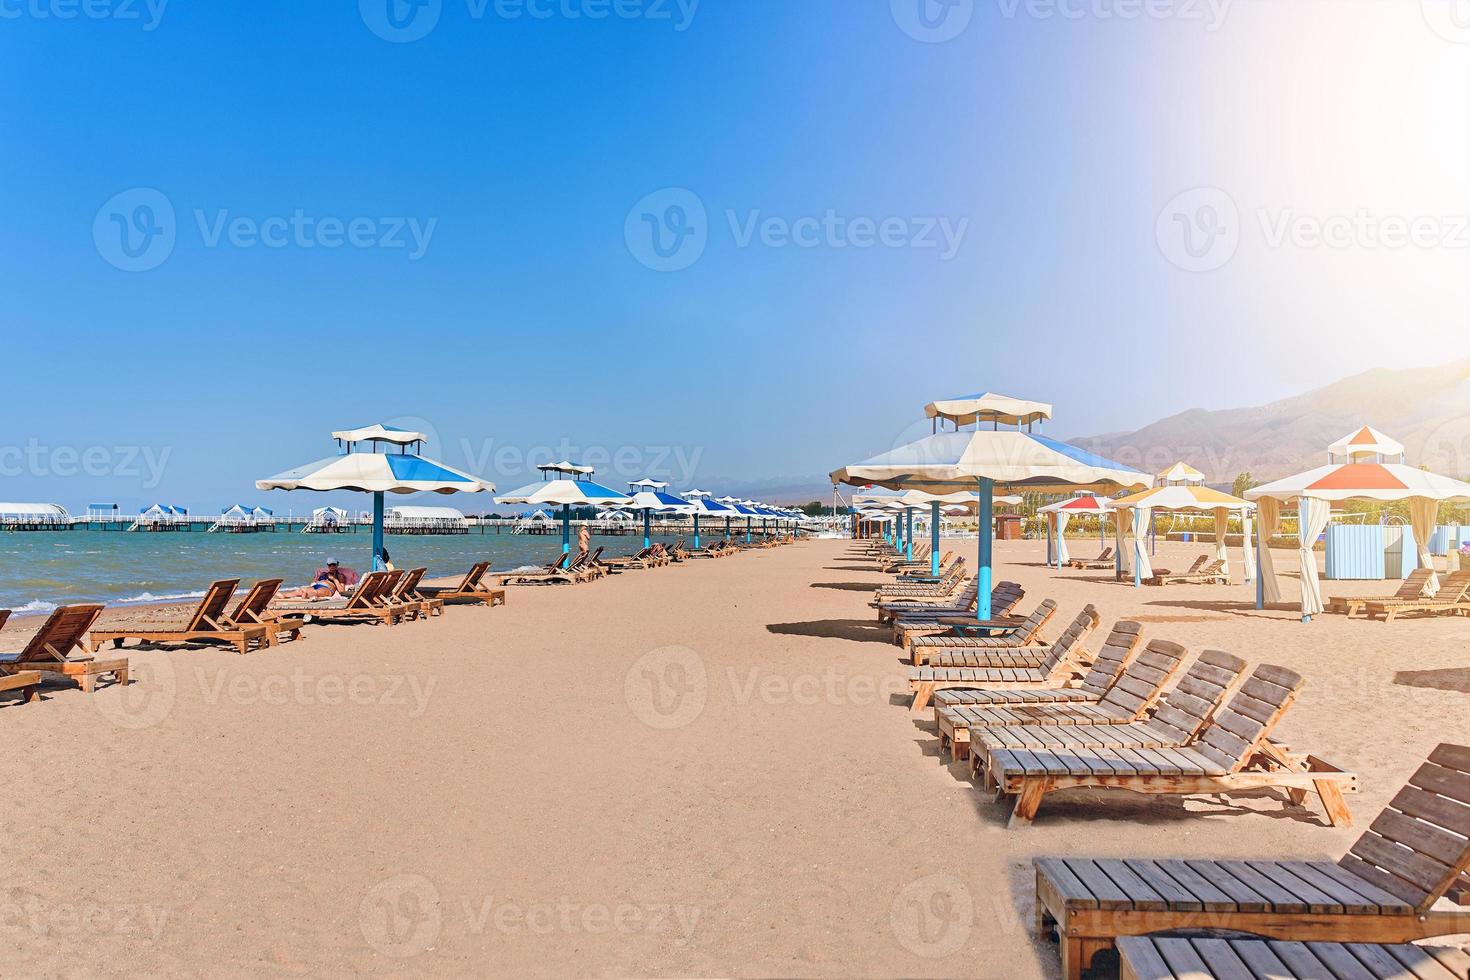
[[1427, 409]]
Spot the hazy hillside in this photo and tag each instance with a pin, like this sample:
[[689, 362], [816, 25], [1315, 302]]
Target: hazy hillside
[[1427, 409]]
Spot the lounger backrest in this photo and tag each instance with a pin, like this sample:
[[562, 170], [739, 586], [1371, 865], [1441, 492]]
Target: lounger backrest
[[1417, 848], [60, 634], [1039, 617], [1105, 554], [1454, 588], [596, 556], [1237, 730], [1143, 679], [1113, 657], [1413, 587], [4, 615], [1195, 699], [410, 582], [473, 576], [1070, 643], [368, 590], [211, 608], [1004, 598], [387, 589], [253, 606], [1198, 564]]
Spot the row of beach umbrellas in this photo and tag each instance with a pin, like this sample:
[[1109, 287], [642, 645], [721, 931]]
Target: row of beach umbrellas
[[378, 471]]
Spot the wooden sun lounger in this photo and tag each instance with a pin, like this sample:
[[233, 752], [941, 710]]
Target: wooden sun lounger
[[1117, 684], [569, 570], [1003, 600], [1410, 590], [949, 582], [1406, 878], [963, 633], [50, 649], [406, 594], [1232, 752], [1103, 560], [470, 590], [887, 605], [207, 625], [254, 610], [1453, 597], [1214, 571], [27, 682], [1181, 716], [368, 603], [895, 562], [1198, 957], [1063, 658]]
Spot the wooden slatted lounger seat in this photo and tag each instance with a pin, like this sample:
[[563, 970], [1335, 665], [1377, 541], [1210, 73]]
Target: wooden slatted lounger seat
[[49, 650], [1063, 659], [1215, 571], [406, 594], [1116, 684], [649, 557], [1181, 716], [1003, 601], [966, 634], [888, 606], [1231, 753], [208, 624], [1410, 589], [1181, 957], [922, 554], [27, 682], [470, 591], [1406, 878], [1453, 597], [1103, 560], [567, 570], [950, 582]]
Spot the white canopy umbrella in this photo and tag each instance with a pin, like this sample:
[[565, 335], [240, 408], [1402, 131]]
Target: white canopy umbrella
[[377, 473], [1177, 497], [654, 499], [566, 493], [1059, 514], [981, 461], [1316, 490]]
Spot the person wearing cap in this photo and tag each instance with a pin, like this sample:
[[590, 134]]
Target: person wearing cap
[[334, 579]]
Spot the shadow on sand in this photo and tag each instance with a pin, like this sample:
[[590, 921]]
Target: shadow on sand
[[1448, 679], [846, 586], [858, 630]]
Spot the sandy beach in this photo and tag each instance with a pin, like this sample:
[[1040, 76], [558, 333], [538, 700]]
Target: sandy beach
[[707, 769]]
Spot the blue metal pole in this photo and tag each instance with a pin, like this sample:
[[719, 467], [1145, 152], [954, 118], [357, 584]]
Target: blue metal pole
[[696, 530], [647, 517], [377, 531], [908, 533], [983, 573], [934, 538], [566, 528], [1260, 579], [748, 523]]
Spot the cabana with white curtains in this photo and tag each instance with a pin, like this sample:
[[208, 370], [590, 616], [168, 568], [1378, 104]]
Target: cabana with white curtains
[[1358, 478], [1137, 510], [1060, 514]]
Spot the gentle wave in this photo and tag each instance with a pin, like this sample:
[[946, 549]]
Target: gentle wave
[[166, 597], [34, 606]]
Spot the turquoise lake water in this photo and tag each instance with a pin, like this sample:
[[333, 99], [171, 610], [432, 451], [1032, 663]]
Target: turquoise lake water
[[43, 569]]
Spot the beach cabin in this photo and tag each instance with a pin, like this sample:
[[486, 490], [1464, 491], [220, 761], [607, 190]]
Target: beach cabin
[[425, 520], [34, 517], [328, 520], [162, 517], [536, 522]]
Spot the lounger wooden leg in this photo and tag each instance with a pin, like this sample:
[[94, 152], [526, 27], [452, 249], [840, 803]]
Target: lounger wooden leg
[[87, 681], [29, 694], [1028, 801], [1333, 803], [1071, 958], [922, 694]]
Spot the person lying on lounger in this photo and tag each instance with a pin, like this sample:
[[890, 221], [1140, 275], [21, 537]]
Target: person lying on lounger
[[330, 581]]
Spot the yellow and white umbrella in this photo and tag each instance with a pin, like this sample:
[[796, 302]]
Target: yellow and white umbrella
[[1178, 497]]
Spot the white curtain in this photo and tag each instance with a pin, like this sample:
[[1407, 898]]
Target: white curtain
[[1140, 542], [1422, 515], [1247, 546], [1121, 552], [1222, 522], [1315, 514], [1063, 556], [1268, 513]]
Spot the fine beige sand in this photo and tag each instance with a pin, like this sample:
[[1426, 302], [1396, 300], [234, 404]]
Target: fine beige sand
[[701, 770]]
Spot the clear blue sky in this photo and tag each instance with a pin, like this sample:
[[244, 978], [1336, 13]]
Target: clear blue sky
[[1054, 142]]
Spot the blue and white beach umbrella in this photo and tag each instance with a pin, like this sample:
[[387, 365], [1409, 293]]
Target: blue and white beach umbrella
[[982, 459], [649, 497], [704, 507], [572, 487], [377, 472]]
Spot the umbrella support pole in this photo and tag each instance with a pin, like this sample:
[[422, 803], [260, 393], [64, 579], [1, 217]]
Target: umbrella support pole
[[696, 532], [934, 539], [377, 531], [983, 574], [566, 529]]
